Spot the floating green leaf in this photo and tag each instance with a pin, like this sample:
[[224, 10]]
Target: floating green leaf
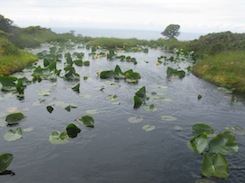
[[50, 109], [174, 72], [236, 130], [72, 130], [141, 92], [5, 161], [69, 107], [13, 135], [118, 74], [76, 88], [148, 128], [14, 118], [112, 97], [137, 102], [202, 128], [215, 166], [78, 62], [8, 82], [135, 119], [224, 143], [199, 97], [198, 143], [58, 137], [88, 121], [107, 74]]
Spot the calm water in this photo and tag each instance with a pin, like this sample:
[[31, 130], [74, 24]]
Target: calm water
[[119, 33], [116, 150]]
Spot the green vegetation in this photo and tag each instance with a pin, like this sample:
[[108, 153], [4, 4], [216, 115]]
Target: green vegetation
[[213, 149], [225, 69], [111, 43], [13, 59], [219, 58], [171, 31]]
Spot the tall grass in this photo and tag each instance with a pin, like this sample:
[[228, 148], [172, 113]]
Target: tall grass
[[225, 69]]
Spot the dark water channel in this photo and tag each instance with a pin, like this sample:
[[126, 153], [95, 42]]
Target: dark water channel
[[116, 151]]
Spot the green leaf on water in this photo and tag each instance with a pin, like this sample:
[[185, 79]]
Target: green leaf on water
[[236, 130], [14, 118], [112, 97], [87, 121], [118, 74], [76, 88], [224, 143], [58, 137], [5, 161], [198, 143], [13, 135], [215, 166], [202, 128], [72, 130], [148, 128], [50, 109], [137, 102]]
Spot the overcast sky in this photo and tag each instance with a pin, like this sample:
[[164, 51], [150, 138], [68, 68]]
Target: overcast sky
[[192, 15]]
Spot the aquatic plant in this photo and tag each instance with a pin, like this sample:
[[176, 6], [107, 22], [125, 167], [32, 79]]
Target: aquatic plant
[[14, 118], [175, 72], [117, 73], [139, 97], [213, 149], [5, 161]]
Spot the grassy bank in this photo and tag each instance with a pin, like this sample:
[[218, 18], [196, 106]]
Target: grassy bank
[[226, 69], [13, 59], [13, 63]]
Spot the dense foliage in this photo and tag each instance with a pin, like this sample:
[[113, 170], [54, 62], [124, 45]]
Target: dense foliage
[[171, 31]]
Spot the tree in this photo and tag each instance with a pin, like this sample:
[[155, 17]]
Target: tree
[[171, 31], [5, 24]]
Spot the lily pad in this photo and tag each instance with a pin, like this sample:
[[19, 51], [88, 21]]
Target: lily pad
[[50, 109], [113, 97], [14, 118], [178, 128], [13, 135], [198, 143], [76, 88], [5, 161], [202, 128], [215, 166], [44, 92], [58, 137], [224, 143], [72, 130], [135, 119], [92, 111], [148, 128], [236, 130], [168, 118], [150, 108], [88, 121]]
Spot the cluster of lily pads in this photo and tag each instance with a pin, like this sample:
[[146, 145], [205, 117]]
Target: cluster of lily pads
[[130, 76], [213, 147]]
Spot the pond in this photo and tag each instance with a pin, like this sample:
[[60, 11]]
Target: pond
[[118, 149]]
